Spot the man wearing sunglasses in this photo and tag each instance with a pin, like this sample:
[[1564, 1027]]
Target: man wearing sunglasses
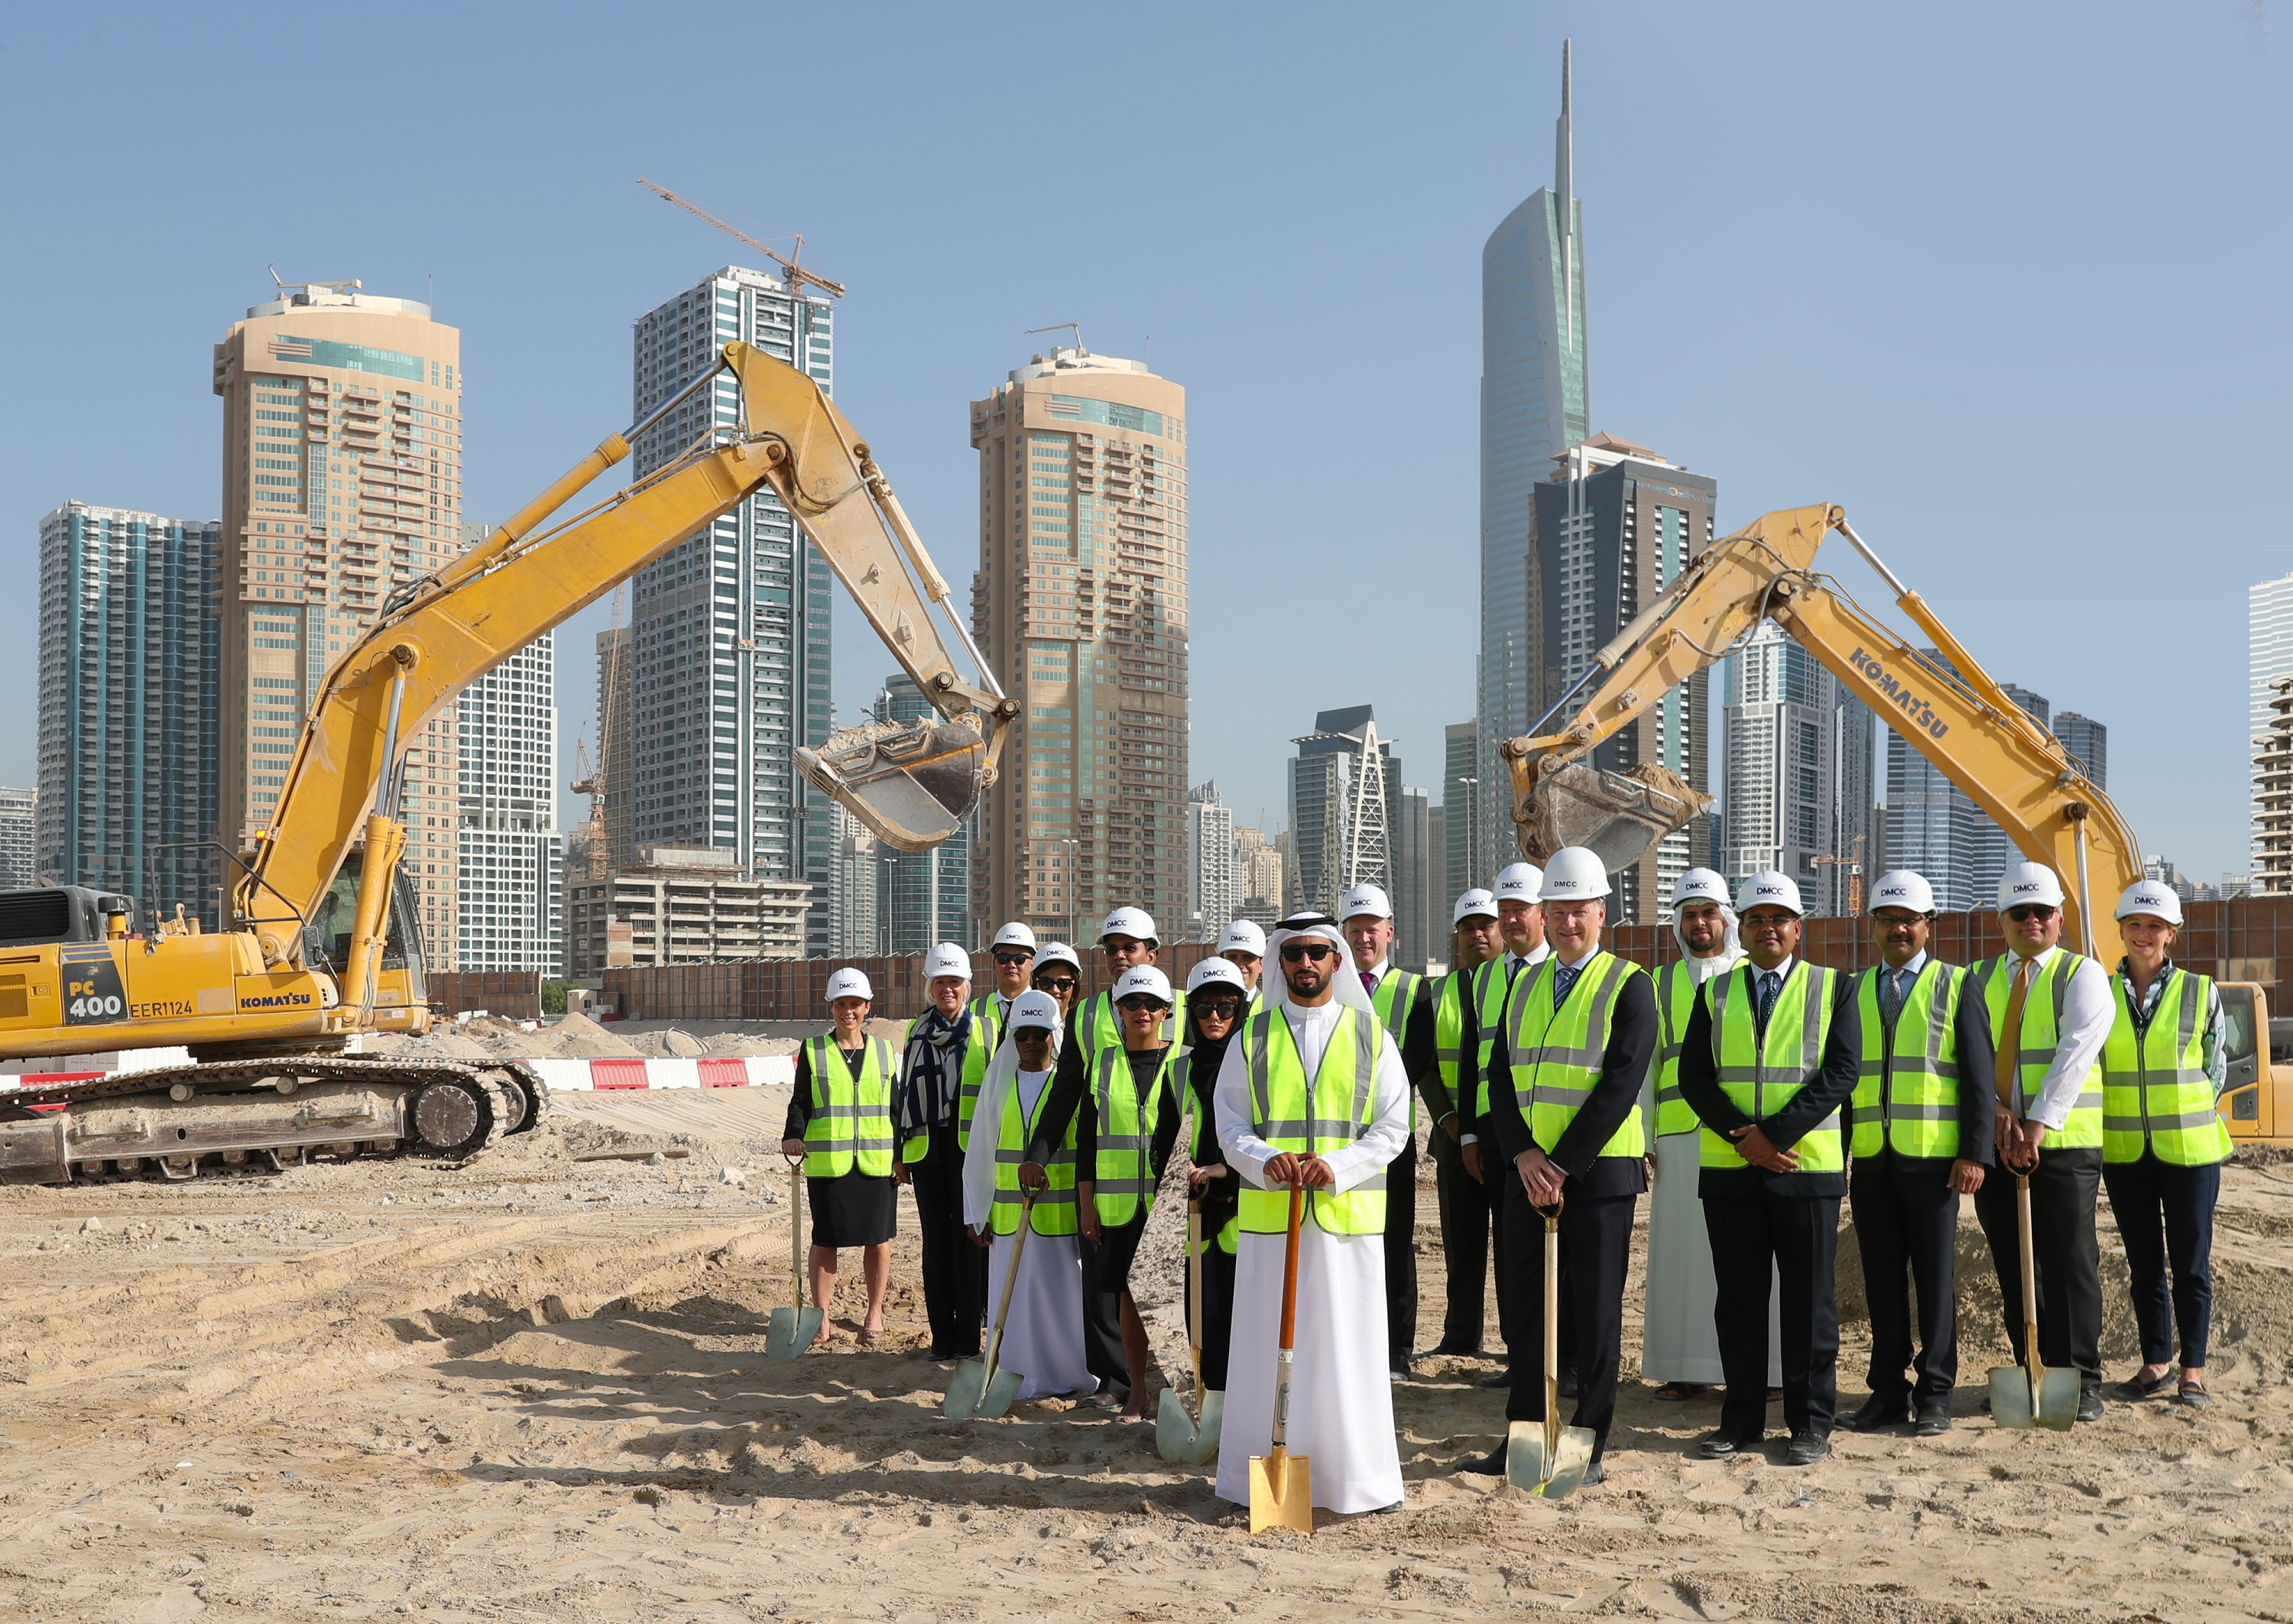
[[1404, 1006], [2051, 1012], [1014, 954]]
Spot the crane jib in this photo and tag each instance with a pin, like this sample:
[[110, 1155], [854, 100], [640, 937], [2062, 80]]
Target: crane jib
[[1917, 711]]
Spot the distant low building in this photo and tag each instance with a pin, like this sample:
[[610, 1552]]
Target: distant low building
[[682, 905], [19, 810]]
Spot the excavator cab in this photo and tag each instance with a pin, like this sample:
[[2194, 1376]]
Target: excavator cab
[[912, 783], [402, 993]]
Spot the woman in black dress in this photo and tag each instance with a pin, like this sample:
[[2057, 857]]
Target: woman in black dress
[[840, 1121]]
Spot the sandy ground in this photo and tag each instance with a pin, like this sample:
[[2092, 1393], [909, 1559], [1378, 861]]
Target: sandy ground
[[536, 1388]]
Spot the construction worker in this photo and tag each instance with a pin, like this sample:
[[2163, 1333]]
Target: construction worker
[[1920, 1137], [943, 1059], [1567, 1068], [1520, 924], [1403, 1005], [1216, 1000], [1013, 952], [2163, 1140], [1465, 1199], [1243, 945], [2051, 1012], [1768, 1062], [1680, 1346], [839, 1121], [1057, 971]]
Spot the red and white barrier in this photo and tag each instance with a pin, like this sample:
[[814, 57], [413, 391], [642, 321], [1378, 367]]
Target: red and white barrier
[[569, 1076]]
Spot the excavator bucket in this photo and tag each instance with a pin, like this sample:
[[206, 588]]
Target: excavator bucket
[[912, 783], [1618, 815]]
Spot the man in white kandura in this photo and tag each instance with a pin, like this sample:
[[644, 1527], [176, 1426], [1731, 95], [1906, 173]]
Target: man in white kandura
[[1312, 1089]]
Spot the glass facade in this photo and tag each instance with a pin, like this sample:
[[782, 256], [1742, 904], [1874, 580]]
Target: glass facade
[[924, 897]]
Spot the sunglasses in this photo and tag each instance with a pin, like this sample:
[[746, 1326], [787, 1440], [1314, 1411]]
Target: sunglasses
[[1139, 1000], [1013, 958], [2031, 910], [1055, 983], [1313, 951], [1218, 1009]]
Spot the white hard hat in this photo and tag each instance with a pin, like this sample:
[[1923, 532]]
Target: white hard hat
[[1474, 904], [1146, 979], [1132, 922], [1215, 973], [2028, 882], [1701, 886], [2153, 897], [1904, 888], [1521, 883], [947, 960], [1031, 1008], [1058, 953], [850, 983], [1768, 889], [1366, 900], [1243, 936], [1015, 936], [1574, 874]]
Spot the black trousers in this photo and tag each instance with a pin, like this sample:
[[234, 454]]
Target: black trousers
[[1794, 1240], [1105, 1277], [1907, 1221], [1464, 1203], [1496, 1174], [1217, 1313], [2163, 1211], [1401, 1255], [1596, 1246], [955, 1268], [2062, 1190]]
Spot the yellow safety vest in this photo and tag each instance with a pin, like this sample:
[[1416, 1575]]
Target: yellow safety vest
[[2042, 1024], [1449, 1031], [1556, 1053], [1203, 1148], [1675, 997], [1906, 1091], [1055, 1205], [2155, 1093], [1491, 989], [1335, 1112], [851, 1120], [1759, 1077], [1122, 1175], [1396, 995]]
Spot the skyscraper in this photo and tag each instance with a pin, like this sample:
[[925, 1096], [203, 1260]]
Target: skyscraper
[[1797, 768], [2088, 743], [2269, 656], [129, 705], [1934, 826], [728, 654], [1462, 849], [1345, 782], [1535, 405], [925, 897], [510, 881], [855, 923], [342, 484], [1612, 527], [1411, 866], [19, 812], [1080, 605], [1212, 897]]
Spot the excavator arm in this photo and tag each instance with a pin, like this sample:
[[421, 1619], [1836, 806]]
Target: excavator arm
[[912, 785], [1958, 717]]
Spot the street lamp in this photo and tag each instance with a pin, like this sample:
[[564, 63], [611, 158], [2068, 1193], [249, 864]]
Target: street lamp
[[1472, 786]]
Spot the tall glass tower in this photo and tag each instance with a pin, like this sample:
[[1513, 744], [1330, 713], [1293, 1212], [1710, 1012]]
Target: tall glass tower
[[1532, 409]]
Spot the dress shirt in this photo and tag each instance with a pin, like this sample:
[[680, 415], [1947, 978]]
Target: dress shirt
[[1910, 972], [2087, 1015]]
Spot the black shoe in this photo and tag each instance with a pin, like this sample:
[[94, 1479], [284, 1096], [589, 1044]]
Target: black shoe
[[1593, 1475], [1491, 1465], [1451, 1350], [1497, 1379], [1880, 1409], [1568, 1382], [1805, 1449], [1726, 1445], [1402, 1372], [1934, 1421], [2089, 1404]]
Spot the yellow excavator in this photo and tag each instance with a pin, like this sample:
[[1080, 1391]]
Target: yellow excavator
[[1951, 710], [322, 945]]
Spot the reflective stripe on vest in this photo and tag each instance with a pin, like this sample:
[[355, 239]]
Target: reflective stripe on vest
[[1906, 1091], [1557, 1054], [851, 1120], [1054, 1204], [2042, 1024], [1394, 996], [1333, 1112], [1203, 1148], [986, 1034], [1759, 1077], [1449, 1030], [1675, 999], [1491, 991], [1122, 1177], [2155, 1093]]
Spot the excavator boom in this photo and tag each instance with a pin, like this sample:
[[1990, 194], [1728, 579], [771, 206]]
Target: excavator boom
[[1952, 712]]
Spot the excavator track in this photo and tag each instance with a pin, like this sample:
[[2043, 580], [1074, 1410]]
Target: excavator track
[[176, 1122]]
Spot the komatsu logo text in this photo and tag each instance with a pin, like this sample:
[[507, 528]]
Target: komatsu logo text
[[1916, 711], [276, 1000]]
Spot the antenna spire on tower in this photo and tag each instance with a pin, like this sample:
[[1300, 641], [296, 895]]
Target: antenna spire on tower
[[1564, 182]]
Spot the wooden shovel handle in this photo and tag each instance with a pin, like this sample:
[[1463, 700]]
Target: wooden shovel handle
[[1290, 1267]]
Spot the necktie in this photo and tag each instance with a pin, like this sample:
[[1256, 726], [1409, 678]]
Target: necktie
[[1369, 981], [2010, 1041], [1890, 996], [1564, 977], [1771, 985]]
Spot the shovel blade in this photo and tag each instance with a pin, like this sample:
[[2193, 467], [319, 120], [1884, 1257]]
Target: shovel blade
[[2010, 1397], [1281, 1494], [1525, 1456], [965, 1391], [1569, 1462], [1527, 1470], [2058, 1399], [791, 1332], [1179, 1437], [1001, 1393]]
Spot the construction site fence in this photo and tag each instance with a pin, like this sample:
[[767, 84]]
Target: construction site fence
[[2243, 939], [514, 995]]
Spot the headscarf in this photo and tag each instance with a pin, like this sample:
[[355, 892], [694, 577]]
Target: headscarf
[[1002, 1079], [929, 1071], [1276, 988], [1731, 945]]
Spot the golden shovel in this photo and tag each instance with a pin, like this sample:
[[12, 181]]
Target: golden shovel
[[792, 1330], [1545, 1458], [2029, 1395], [1282, 1488]]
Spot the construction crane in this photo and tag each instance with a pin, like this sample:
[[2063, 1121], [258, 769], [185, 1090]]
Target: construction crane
[[797, 274], [590, 779]]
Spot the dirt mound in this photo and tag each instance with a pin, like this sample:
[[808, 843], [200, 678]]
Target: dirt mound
[[576, 1038]]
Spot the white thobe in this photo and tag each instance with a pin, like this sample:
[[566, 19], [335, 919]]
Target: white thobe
[[1678, 1341], [1042, 1334], [1341, 1387]]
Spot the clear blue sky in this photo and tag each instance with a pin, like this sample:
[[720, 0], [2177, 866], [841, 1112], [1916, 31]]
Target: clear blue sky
[[2010, 282]]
